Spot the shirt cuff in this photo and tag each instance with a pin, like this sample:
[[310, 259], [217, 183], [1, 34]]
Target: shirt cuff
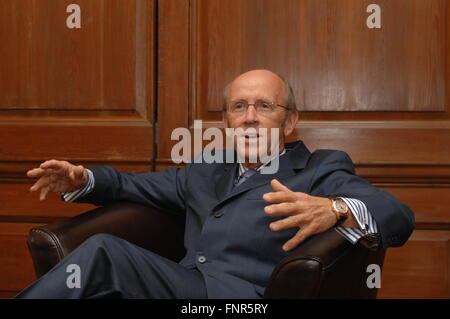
[[367, 224], [73, 196]]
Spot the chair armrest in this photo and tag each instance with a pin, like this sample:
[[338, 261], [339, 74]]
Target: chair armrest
[[325, 266], [144, 226]]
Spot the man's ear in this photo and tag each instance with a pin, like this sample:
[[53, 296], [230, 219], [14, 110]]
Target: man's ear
[[290, 122]]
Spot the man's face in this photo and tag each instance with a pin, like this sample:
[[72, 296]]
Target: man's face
[[262, 86]]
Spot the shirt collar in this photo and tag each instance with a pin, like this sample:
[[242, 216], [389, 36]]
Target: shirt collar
[[243, 169]]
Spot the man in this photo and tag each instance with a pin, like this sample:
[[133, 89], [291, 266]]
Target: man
[[239, 222]]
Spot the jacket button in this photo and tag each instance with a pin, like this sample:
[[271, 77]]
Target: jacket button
[[218, 214], [201, 259]]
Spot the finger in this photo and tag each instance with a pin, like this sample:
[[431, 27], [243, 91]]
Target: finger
[[39, 172], [288, 222], [285, 208], [53, 164], [44, 192], [35, 172], [280, 197], [42, 182], [278, 187], [298, 238]]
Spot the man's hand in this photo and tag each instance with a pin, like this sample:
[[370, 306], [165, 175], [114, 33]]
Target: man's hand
[[312, 214], [57, 176]]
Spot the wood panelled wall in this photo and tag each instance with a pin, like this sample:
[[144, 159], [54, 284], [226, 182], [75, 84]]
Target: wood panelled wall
[[83, 95], [108, 92]]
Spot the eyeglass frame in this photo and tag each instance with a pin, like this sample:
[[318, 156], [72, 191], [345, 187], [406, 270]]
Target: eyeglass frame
[[273, 104]]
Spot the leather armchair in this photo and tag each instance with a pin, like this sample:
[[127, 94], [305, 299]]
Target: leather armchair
[[324, 266]]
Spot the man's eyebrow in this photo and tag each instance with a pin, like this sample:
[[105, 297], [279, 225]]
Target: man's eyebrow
[[238, 100]]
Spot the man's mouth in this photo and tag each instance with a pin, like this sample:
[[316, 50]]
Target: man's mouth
[[250, 136]]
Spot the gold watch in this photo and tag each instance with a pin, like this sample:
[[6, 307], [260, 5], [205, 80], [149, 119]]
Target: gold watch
[[340, 209]]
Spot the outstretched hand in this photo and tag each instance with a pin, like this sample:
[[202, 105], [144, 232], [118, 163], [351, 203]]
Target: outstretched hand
[[311, 213], [57, 176]]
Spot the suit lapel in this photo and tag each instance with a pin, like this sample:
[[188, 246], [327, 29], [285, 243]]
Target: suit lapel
[[225, 182], [295, 159]]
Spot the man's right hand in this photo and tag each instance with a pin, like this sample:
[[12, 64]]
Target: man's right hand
[[58, 176]]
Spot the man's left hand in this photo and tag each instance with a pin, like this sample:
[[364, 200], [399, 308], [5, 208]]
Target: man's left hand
[[311, 213]]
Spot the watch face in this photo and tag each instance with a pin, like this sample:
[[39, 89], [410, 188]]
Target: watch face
[[341, 206]]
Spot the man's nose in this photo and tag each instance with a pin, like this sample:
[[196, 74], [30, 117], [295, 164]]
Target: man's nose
[[251, 116]]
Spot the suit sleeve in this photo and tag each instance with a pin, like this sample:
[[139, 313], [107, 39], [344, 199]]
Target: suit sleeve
[[335, 177], [163, 190]]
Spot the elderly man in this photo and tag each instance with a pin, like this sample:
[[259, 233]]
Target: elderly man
[[240, 222]]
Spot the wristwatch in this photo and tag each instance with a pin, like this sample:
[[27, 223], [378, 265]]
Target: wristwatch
[[340, 209]]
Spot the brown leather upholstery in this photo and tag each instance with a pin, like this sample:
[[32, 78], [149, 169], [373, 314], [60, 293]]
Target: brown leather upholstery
[[325, 266]]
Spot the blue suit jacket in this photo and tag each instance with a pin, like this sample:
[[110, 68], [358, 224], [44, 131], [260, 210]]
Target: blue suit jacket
[[229, 228]]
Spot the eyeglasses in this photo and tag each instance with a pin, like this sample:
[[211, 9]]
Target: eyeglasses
[[262, 107]]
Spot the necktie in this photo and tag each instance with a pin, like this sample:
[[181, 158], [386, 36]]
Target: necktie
[[244, 177]]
